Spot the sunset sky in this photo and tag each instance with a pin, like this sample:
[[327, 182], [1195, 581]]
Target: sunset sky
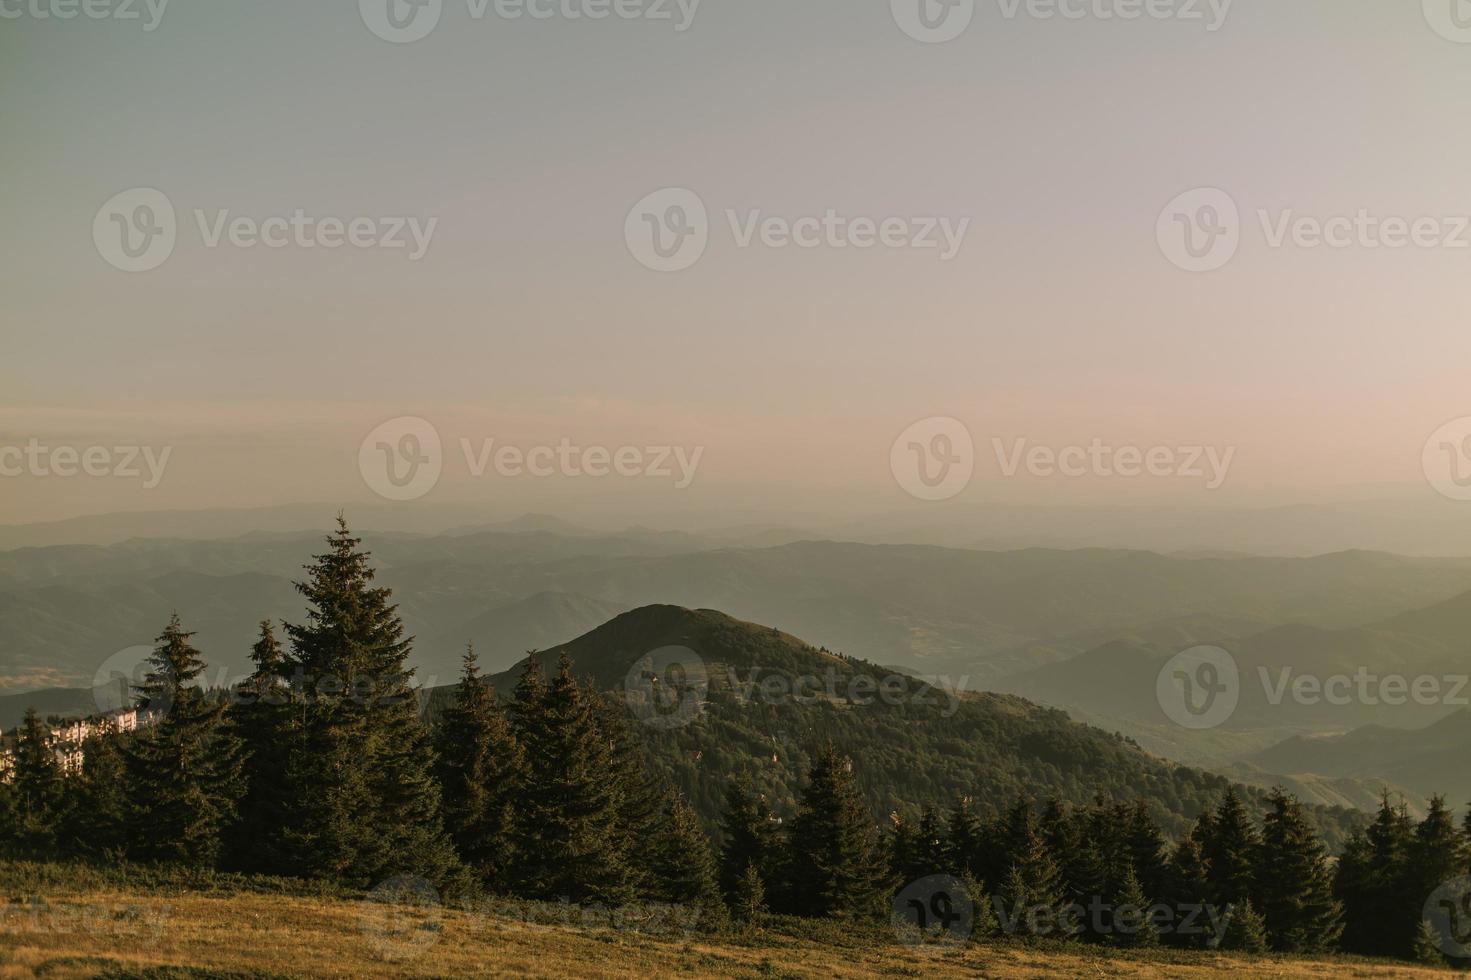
[[528, 320]]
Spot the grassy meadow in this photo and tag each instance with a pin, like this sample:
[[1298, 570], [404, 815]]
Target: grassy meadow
[[129, 922]]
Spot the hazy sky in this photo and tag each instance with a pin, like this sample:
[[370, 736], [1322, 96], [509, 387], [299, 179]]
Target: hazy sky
[[529, 320]]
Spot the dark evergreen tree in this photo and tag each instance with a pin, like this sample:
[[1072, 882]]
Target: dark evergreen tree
[[1245, 932], [748, 897], [361, 800], [749, 829], [99, 818], [967, 845], [1437, 854], [1187, 893], [832, 857], [1032, 885], [1389, 912], [570, 837], [1145, 846], [1230, 846], [1294, 883], [38, 793], [1132, 926], [1354, 881], [683, 868], [183, 769], [482, 775], [263, 717]]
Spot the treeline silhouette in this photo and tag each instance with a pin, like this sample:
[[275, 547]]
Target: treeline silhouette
[[320, 766]]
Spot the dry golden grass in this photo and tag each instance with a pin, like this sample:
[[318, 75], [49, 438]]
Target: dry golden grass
[[116, 933]]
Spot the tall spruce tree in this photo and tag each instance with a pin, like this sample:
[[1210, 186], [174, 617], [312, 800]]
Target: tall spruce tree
[[481, 770], [682, 866], [1132, 926], [1230, 846], [965, 833], [750, 841], [183, 769], [265, 720], [1353, 886], [1032, 884], [38, 791], [361, 800], [1294, 882], [832, 855], [1187, 894], [98, 820], [570, 840]]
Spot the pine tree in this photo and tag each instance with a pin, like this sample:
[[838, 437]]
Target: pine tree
[[1437, 853], [569, 841], [37, 791], [1230, 849], [263, 718], [481, 774], [1245, 932], [100, 817], [184, 769], [1426, 948], [1294, 883], [1074, 855], [932, 850], [1145, 846], [1032, 883], [640, 816], [748, 897], [1353, 886], [1187, 893], [1386, 911], [833, 866], [683, 867], [967, 841], [751, 843], [1132, 926], [361, 800]]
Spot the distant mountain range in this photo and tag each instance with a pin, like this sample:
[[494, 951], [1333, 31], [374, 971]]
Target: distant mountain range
[[964, 613]]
